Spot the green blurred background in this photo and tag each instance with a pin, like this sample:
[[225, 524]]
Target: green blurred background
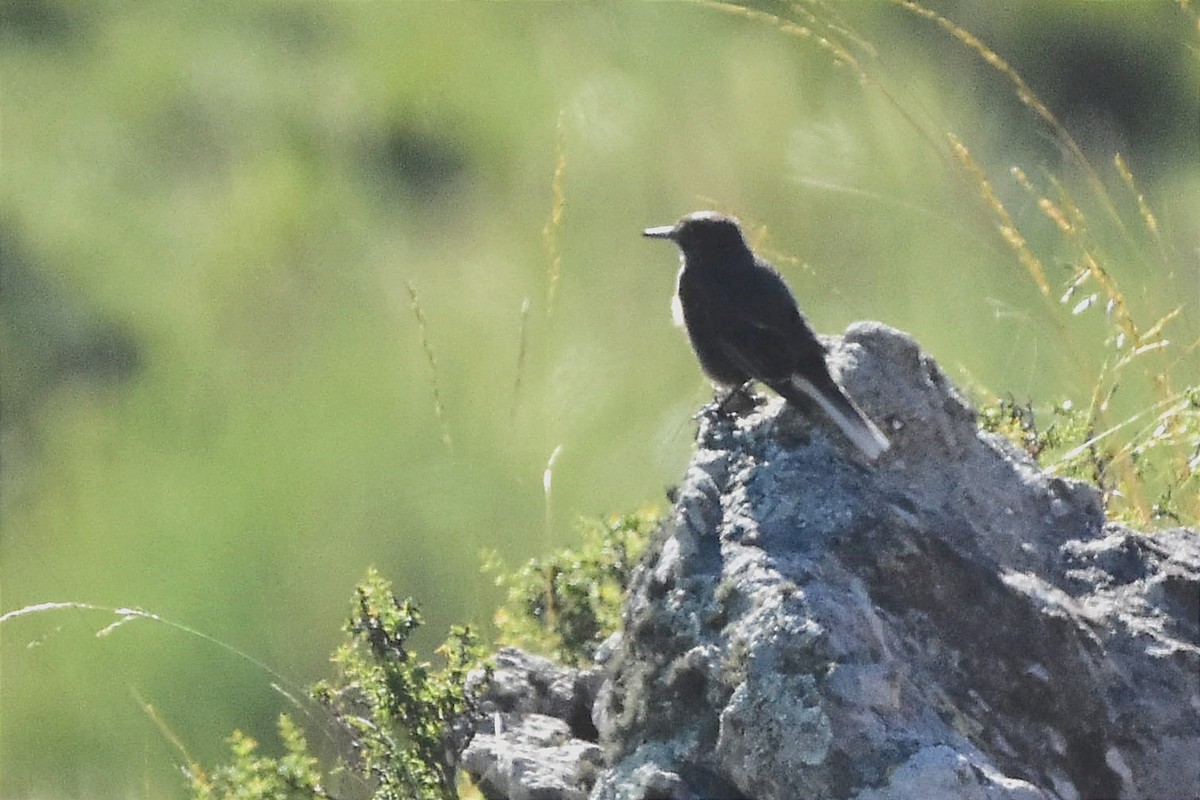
[[217, 405]]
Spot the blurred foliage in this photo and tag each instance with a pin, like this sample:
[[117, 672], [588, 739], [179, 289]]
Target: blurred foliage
[[407, 724], [250, 776], [566, 604], [406, 721], [218, 224], [1143, 480]]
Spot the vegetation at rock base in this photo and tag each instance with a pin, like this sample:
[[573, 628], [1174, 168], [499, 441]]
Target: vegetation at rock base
[[566, 604], [401, 722], [1147, 478]]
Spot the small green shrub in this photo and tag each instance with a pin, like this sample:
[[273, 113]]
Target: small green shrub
[[406, 721], [295, 776], [1143, 478], [566, 604]]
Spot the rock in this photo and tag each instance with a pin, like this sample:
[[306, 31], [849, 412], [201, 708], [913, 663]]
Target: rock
[[950, 622], [522, 683], [535, 740], [536, 760]]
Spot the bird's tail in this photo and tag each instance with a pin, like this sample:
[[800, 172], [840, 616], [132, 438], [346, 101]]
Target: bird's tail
[[842, 410]]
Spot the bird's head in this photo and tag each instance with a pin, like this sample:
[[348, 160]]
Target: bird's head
[[702, 234]]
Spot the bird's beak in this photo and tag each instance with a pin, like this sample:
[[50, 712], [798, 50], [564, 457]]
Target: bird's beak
[[663, 232]]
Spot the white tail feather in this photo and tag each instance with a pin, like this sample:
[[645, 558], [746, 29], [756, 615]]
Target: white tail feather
[[858, 429]]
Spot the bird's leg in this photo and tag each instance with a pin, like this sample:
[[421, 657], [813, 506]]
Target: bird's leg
[[736, 400], [725, 401]]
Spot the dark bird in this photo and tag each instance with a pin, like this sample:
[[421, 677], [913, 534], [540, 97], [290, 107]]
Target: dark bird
[[744, 324]]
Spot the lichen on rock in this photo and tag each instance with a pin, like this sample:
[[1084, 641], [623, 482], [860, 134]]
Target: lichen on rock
[[950, 622]]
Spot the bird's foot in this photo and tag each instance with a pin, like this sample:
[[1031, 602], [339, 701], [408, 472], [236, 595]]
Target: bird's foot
[[733, 402]]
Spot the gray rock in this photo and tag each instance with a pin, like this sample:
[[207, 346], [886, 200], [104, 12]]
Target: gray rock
[[535, 739], [951, 622], [522, 683], [538, 759]]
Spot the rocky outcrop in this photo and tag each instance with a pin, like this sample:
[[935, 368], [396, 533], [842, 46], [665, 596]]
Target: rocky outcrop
[[950, 622], [535, 740]]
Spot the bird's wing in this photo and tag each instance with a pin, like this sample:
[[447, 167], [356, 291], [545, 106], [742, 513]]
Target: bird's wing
[[769, 339], [765, 333]]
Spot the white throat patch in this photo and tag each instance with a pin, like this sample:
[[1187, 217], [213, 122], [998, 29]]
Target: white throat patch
[[676, 306]]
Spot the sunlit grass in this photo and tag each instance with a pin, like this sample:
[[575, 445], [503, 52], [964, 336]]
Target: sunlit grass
[[423, 326], [1149, 471]]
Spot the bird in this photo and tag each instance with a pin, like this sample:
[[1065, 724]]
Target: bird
[[744, 324]]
